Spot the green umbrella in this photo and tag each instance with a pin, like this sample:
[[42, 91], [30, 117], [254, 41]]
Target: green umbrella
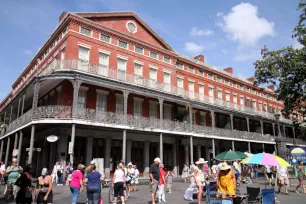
[[231, 156]]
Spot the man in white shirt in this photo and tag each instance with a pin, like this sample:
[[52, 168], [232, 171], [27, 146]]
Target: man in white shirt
[[214, 170], [282, 178], [237, 170]]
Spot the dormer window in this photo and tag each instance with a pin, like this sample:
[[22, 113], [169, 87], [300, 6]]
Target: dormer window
[[153, 54], [85, 31], [167, 59], [105, 38], [139, 50], [123, 44]]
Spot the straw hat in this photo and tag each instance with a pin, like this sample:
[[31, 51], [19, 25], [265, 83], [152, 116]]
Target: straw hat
[[130, 164], [225, 166], [201, 161]]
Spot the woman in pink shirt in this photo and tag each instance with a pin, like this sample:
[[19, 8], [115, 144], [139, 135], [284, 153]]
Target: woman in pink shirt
[[76, 183]]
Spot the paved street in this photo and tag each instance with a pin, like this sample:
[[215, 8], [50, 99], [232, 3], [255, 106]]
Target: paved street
[[62, 195]]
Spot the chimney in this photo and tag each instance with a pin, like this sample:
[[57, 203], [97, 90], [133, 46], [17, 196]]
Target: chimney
[[229, 70], [271, 86], [251, 79], [199, 58], [62, 16]]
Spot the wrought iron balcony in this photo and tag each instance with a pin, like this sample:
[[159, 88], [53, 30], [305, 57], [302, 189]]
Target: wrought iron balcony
[[134, 122], [134, 79], [295, 141]]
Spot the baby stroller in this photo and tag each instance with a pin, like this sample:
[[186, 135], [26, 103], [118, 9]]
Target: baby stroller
[[191, 192]]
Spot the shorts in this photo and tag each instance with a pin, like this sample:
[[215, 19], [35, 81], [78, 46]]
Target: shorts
[[118, 189], [269, 175], [301, 177], [154, 187], [169, 185], [283, 180], [40, 198]]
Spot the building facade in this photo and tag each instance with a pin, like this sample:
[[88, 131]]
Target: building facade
[[109, 87]]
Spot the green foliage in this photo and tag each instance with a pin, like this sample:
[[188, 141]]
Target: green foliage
[[286, 68]]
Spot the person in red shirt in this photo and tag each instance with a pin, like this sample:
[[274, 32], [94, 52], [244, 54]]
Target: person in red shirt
[[162, 181]]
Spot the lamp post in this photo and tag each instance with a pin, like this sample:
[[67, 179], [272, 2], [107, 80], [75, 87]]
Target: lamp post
[[277, 116]]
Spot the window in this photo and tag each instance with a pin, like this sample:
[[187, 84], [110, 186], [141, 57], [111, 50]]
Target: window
[[227, 97], [123, 44], [248, 89], [101, 102], [194, 118], [179, 65], [105, 38], [191, 69], [226, 82], [82, 99], [153, 74], [219, 79], [210, 76], [191, 86], [166, 77], [254, 104], [265, 107], [201, 73], [83, 54], [241, 87], [153, 110], [121, 64], [234, 98], [85, 31], [138, 107], [210, 91], [201, 89], [248, 103], [202, 118], [139, 49], [167, 112], [180, 83], [253, 91], [138, 69], [219, 94], [119, 104], [270, 108], [103, 60], [167, 59], [259, 106], [242, 100], [153, 54], [234, 85]]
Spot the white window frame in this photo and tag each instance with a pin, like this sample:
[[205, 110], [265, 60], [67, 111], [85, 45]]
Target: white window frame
[[119, 97], [165, 107], [83, 89], [169, 59], [153, 52], [104, 94], [80, 28], [138, 47], [203, 115], [110, 38], [127, 44], [140, 102]]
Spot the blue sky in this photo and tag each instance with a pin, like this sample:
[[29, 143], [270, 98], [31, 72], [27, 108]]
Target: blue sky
[[230, 33]]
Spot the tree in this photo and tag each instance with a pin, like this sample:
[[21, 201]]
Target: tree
[[286, 69]]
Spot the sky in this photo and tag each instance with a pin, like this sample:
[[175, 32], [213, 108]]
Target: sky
[[229, 33]]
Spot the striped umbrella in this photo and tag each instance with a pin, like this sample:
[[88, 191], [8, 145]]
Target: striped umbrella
[[265, 159]]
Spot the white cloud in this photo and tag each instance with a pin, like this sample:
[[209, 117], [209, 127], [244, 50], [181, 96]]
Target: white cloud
[[246, 53], [201, 32], [297, 45], [224, 51], [193, 47], [27, 52], [242, 24]]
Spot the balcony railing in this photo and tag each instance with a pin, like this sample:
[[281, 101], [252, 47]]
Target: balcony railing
[[134, 122], [134, 79], [294, 141]]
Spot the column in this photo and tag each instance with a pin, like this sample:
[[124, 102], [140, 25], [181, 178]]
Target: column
[[263, 147], [52, 155], [107, 167], [31, 144], [71, 149], [284, 127], [293, 130], [199, 148], [89, 143], [16, 140], [124, 146], [161, 111], [174, 160], [35, 95], [273, 128], [46, 151], [18, 107], [22, 106], [275, 149], [19, 147], [233, 145], [1, 149], [7, 150], [76, 86], [232, 121], [125, 103], [186, 155], [190, 119], [161, 146], [191, 150], [62, 147], [248, 123], [249, 147], [212, 113], [279, 130], [262, 128], [213, 148], [207, 155], [128, 150], [11, 114], [146, 158]]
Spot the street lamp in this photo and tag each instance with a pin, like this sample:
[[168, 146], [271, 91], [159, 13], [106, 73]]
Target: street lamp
[[277, 116]]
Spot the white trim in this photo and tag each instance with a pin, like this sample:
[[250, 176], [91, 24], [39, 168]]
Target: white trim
[[56, 53], [122, 57], [234, 93], [84, 45], [127, 46], [91, 31], [167, 71], [110, 38], [143, 49], [181, 77], [191, 80], [84, 88], [254, 99], [227, 91], [210, 86], [49, 60], [152, 66], [126, 25], [63, 46], [104, 51], [102, 92], [201, 83], [219, 89], [138, 99], [138, 62]]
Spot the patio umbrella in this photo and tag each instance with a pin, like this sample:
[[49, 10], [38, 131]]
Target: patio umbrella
[[230, 156], [265, 159], [248, 154]]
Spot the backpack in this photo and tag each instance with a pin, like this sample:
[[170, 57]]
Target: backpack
[[59, 172]]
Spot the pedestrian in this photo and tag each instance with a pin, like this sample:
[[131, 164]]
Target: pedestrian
[[24, 183], [282, 178], [45, 194], [76, 183], [226, 181], [2, 170], [93, 180], [59, 173], [301, 175], [200, 178], [154, 174], [131, 174], [126, 181], [237, 170], [268, 170], [13, 172], [255, 168], [185, 175], [136, 178], [169, 181], [162, 181], [214, 168], [118, 183], [69, 173], [54, 173]]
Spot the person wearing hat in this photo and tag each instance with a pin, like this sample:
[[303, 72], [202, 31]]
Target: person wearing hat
[[199, 177], [13, 171], [131, 174], [226, 181], [154, 174]]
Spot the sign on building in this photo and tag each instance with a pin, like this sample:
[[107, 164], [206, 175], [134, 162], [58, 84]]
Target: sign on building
[[70, 148], [34, 149], [297, 154]]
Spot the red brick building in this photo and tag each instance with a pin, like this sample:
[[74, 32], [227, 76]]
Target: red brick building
[[111, 87]]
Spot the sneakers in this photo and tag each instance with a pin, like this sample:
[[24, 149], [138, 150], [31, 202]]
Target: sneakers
[[297, 191], [164, 201]]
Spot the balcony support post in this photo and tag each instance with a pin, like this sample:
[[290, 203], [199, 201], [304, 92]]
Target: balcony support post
[[191, 150], [125, 103], [72, 144], [213, 148], [284, 127], [273, 128], [76, 86], [19, 101], [174, 160], [190, 117], [186, 155], [249, 147], [279, 129], [19, 147], [16, 140], [212, 113], [146, 158], [161, 147], [108, 143], [35, 95], [248, 123], [124, 146], [31, 144], [7, 150], [161, 111], [22, 106], [128, 150], [263, 147], [232, 121], [233, 145], [1, 149], [11, 114], [262, 127], [293, 130]]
